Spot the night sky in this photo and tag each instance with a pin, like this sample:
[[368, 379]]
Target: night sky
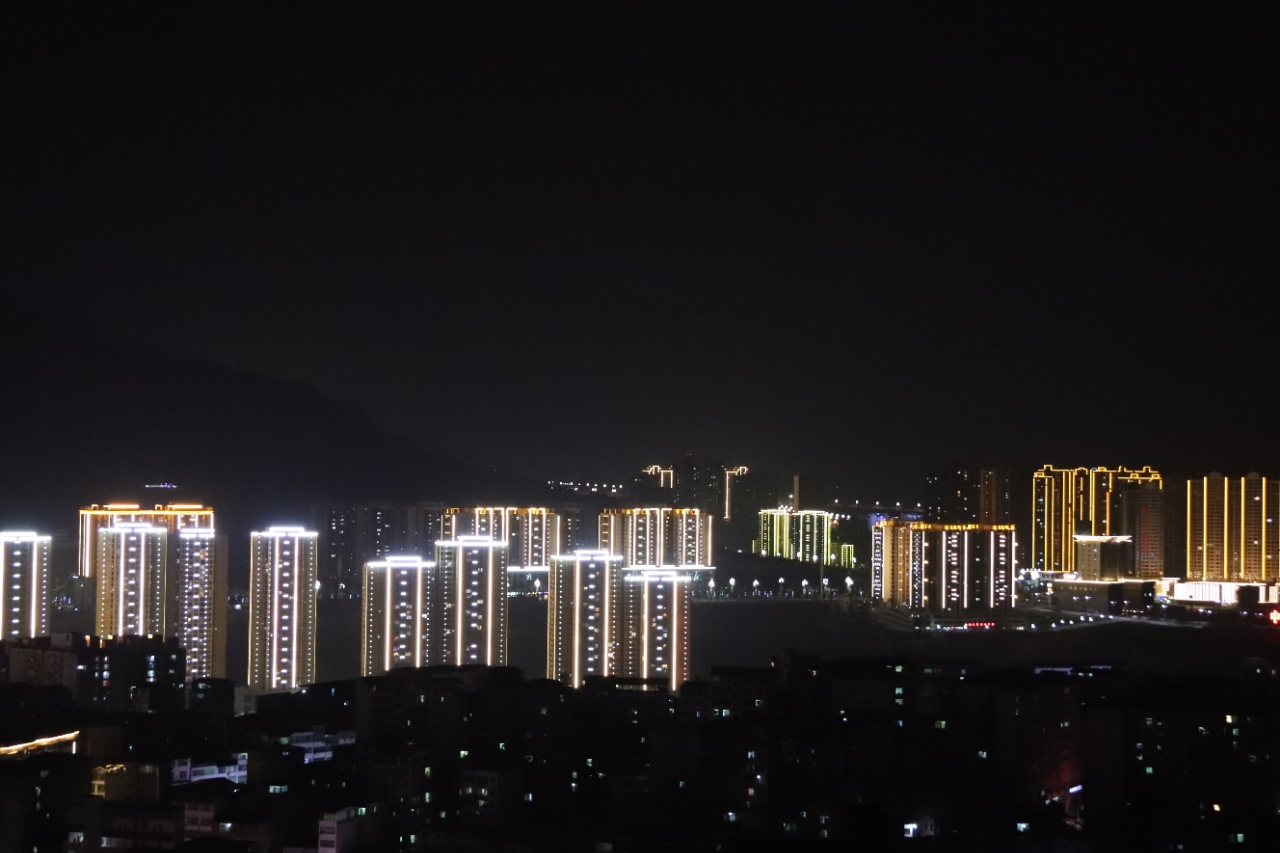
[[566, 243]]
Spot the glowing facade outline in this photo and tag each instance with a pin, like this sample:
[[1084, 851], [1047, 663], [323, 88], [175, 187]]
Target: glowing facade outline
[[657, 536], [282, 608], [201, 622], [585, 616], [401, 611], [944, 567], [24, 584], [473, 584], [1065, 501], [1231, 529], [132, 566], [172, 517]]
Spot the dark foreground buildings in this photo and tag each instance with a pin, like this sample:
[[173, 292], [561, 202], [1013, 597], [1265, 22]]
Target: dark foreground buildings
[[862, 754]]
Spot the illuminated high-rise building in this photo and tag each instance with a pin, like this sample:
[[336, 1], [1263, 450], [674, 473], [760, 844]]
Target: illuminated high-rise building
[[24, 585], [172, 517], [201, 624], [1091, 501], [131, 564], [943, 567], [729, 475], [282, 608], [586, 617], [403, 615], [657, 536], [473, 586], [655, 633], [532, 534], [847, 558], [775, 533], [1231, 529], [897, 563], [811, 536]]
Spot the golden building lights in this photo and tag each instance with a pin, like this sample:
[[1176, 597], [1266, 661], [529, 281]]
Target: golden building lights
[[282, 608], [657, 536], [172, 517], [24, 585], [1096, 502], [532, 534], [1231, 530]]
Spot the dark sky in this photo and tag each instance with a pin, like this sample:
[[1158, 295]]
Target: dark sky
[[568, 242]]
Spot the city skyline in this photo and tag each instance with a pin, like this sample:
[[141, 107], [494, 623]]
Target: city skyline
[[639, 427]]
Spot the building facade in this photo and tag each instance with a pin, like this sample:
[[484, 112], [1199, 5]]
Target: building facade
[[775, 533], [811, 536], [944, 567], [473, 591], [201, 627], [1231, 530], [1096, 502], [403, 611], [657, 536], [172, 517], [131, 563], [970, 496], [586, 617], [24, 585], [352, 534], [655, 634], [282, 608]]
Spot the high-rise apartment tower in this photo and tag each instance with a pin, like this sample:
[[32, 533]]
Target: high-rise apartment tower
[[282, 608], [24, 585]]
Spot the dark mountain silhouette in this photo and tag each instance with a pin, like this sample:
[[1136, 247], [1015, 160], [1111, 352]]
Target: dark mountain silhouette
[[90, 418]]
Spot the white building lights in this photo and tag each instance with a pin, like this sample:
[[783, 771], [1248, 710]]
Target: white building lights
[[131, 565], [282, 608], [201, 627], [473, 591], [402, 614], [24, 585], [655, 630], [172, 517], [585, 619]]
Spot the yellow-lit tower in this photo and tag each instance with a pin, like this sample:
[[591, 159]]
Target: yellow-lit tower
[[1231, 529], [775, 533]]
